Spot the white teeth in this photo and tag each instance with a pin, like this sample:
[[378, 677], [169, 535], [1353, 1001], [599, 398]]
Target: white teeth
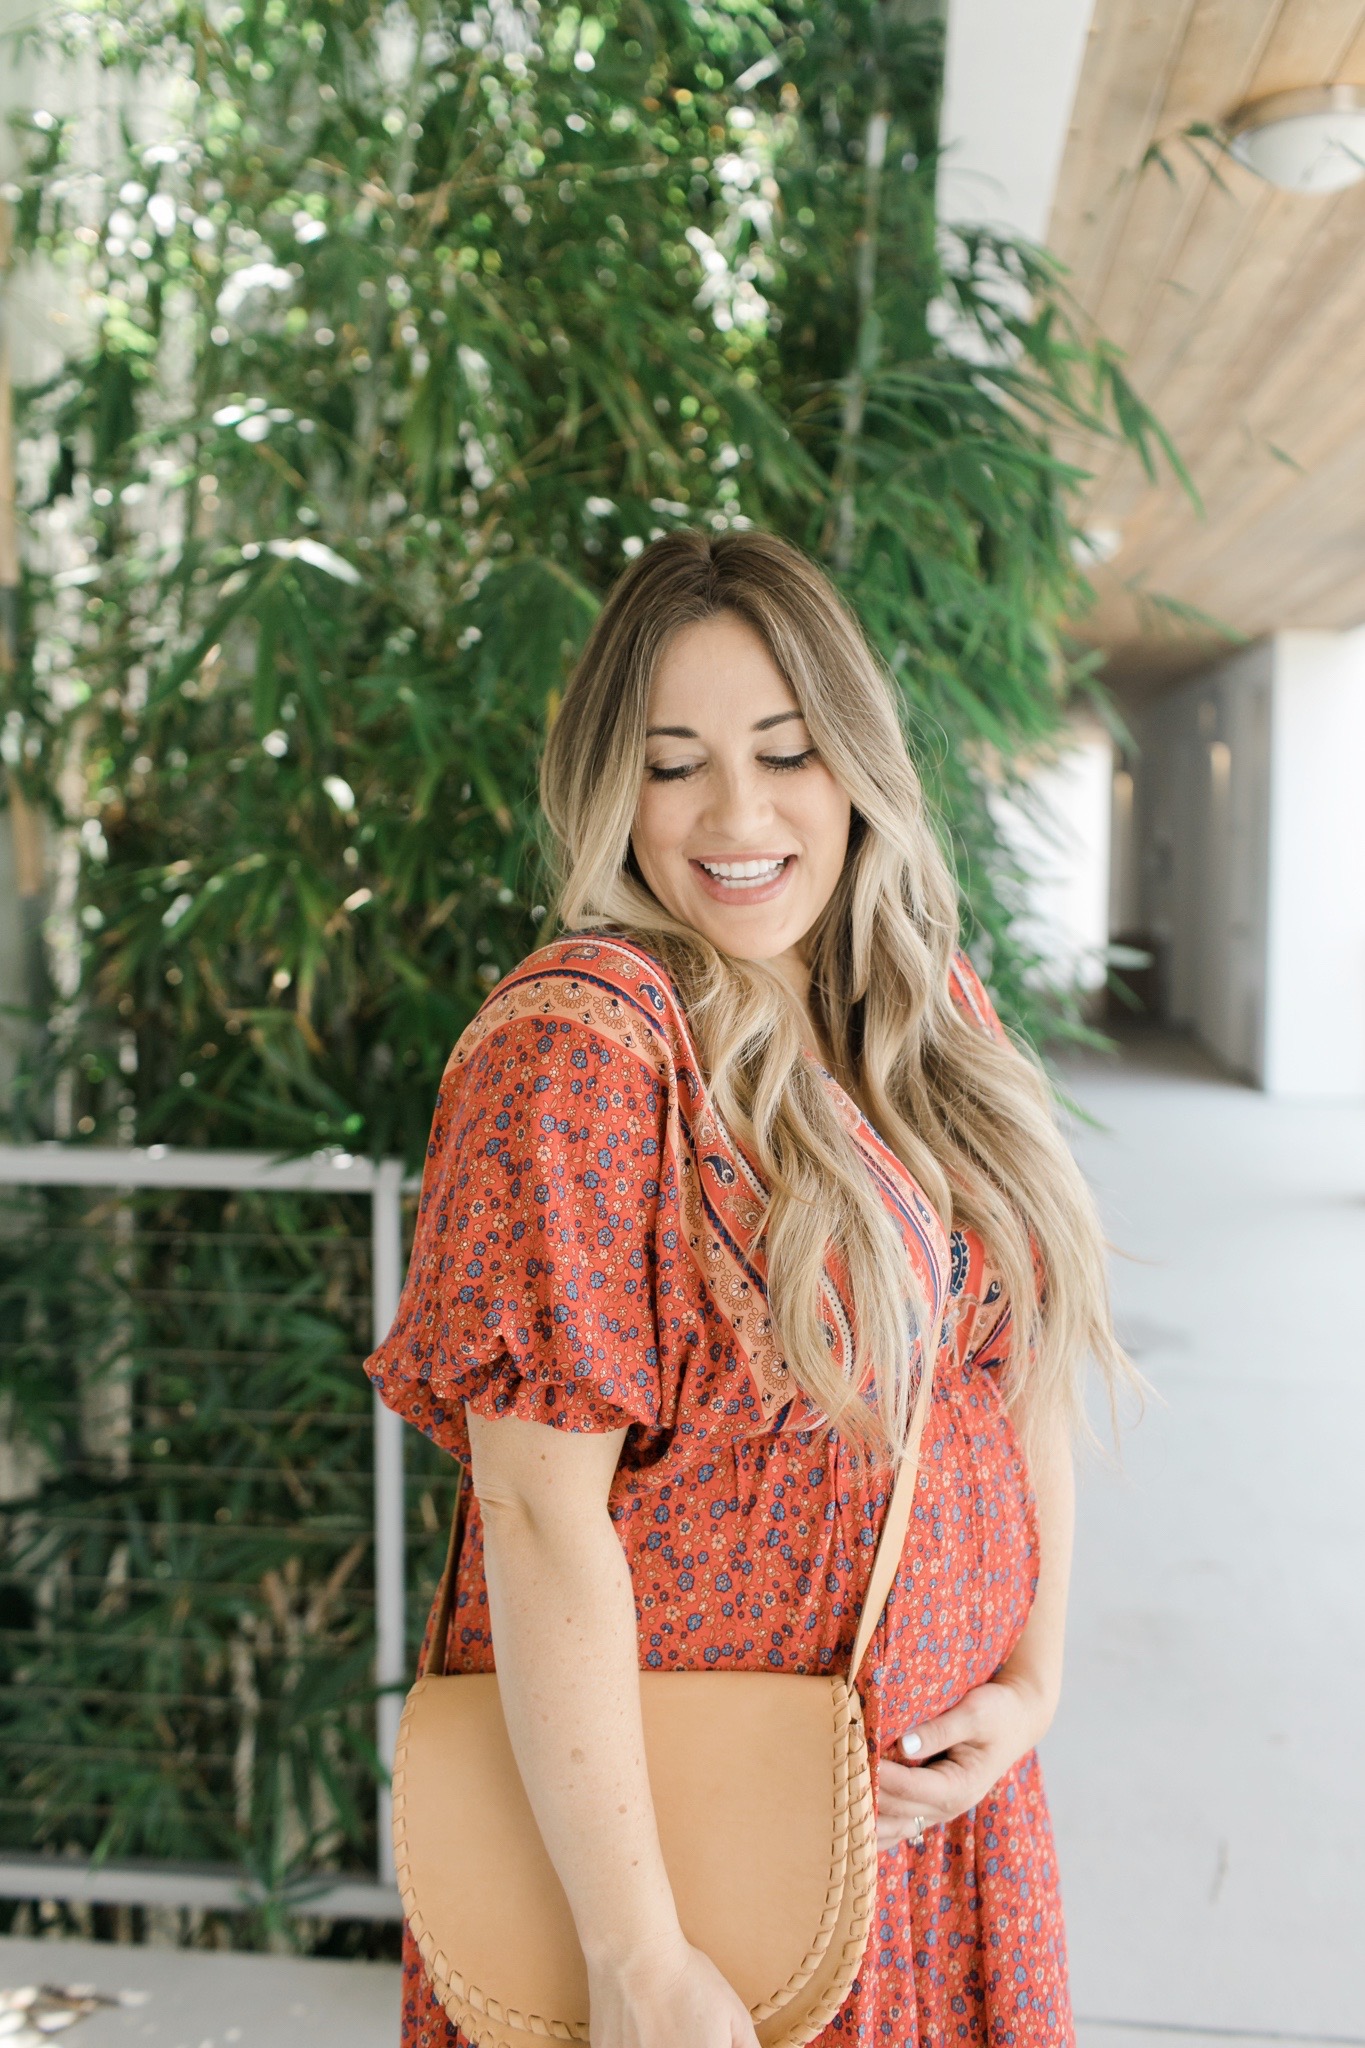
[[743, 871]]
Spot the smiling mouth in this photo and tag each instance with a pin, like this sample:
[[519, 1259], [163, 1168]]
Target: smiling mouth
[[744, 877]]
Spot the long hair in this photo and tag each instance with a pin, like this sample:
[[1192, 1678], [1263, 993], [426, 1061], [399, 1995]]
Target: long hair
[[968, 1114]]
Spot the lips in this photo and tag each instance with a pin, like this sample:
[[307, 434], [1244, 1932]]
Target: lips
[[754, 880]]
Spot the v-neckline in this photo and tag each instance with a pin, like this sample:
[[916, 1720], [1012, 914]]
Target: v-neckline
[[859, 1112]]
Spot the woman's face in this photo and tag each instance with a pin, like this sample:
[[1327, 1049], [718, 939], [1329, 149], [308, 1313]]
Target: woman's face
[[741, 830]]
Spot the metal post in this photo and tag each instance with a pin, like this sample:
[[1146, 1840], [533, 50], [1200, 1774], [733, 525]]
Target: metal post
[[389, 1532]]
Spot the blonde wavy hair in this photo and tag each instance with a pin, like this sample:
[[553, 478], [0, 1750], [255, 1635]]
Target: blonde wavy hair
[[968, 1114]]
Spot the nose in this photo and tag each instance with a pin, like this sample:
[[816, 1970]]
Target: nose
[[739, 803]]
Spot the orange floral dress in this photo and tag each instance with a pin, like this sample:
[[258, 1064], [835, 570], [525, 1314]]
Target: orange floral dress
[[585, 1256]]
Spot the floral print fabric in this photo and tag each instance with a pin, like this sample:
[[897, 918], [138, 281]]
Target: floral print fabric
[[586, 1256]]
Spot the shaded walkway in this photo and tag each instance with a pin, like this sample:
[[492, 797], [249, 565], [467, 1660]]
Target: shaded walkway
[[1206, 1767], [193, 1998]]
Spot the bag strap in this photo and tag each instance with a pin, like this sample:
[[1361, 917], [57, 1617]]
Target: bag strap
[[892, 1541], [884, 1565], [435, 1665]]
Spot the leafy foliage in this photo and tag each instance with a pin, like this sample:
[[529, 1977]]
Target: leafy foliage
[[405, 331], [405, 327]]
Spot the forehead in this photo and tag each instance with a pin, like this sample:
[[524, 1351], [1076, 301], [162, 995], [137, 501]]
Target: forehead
[[723, 664]]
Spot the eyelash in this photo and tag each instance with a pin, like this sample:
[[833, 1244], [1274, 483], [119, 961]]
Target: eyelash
[[781, 764]]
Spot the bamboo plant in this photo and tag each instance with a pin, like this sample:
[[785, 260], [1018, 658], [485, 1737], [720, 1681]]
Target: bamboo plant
[[404, 327]]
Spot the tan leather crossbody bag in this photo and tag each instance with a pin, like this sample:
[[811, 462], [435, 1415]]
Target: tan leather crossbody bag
[[763, 1796]]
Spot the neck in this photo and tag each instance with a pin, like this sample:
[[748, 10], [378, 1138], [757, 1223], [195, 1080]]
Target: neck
[[792, 969], [795, 973]]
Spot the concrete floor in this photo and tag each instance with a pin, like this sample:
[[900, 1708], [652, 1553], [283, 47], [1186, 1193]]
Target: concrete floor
[[192, 1998], [1206, 1766], [1205, 1769]]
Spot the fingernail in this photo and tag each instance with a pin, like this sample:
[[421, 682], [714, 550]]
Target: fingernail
[[911, 1745]]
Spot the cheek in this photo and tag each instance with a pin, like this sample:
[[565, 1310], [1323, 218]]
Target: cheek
[[644, 831], [660, 823], [827, 817]]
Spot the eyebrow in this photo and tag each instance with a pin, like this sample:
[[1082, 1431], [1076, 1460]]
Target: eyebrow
[[685, 732]]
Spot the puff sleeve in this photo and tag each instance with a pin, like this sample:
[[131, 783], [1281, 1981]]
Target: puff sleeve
[[968, 994], [532, 1282]]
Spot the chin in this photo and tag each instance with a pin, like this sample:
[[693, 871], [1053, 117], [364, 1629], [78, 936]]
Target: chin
[[752, 945]]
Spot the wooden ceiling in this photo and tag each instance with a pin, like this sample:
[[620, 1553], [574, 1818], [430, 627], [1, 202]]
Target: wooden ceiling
[[1241, 310]]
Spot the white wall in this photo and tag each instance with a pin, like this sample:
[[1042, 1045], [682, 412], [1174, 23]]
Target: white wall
[[1010, 78], [1011, 69], [1059, 830], [1251, 831], [1315, 1028]]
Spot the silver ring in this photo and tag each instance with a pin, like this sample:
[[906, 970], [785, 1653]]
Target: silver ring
[[917, 1827]]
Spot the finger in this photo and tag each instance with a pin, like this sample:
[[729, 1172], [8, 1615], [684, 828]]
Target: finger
[[937, 1792], [890, 1837], [915, 1831], [899, 1782], [930, 1738]]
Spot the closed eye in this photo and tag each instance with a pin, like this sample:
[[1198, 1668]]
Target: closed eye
[[781, 764]]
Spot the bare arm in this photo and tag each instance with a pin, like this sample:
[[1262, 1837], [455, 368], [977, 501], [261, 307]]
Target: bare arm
[[564, 1636], [1035, 1664], [959, 1755]]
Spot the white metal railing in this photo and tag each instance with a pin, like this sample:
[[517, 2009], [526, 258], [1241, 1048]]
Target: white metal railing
[[55, 1164]]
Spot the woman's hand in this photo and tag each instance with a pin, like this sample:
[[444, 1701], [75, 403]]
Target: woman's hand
[[679, 2002], [944, 1766], [958, 1757]]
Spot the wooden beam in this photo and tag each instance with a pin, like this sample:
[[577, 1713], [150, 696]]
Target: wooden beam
[[1288, 395], [1239, 307], [1123, 80], [1311, 42]]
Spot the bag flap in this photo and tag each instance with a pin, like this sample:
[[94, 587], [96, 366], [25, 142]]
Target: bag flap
[[754, 1777]]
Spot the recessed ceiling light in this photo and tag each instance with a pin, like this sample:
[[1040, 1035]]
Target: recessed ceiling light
[[1312, 140]]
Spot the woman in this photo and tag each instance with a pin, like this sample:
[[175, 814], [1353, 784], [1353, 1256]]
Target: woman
[[707, 1178]]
